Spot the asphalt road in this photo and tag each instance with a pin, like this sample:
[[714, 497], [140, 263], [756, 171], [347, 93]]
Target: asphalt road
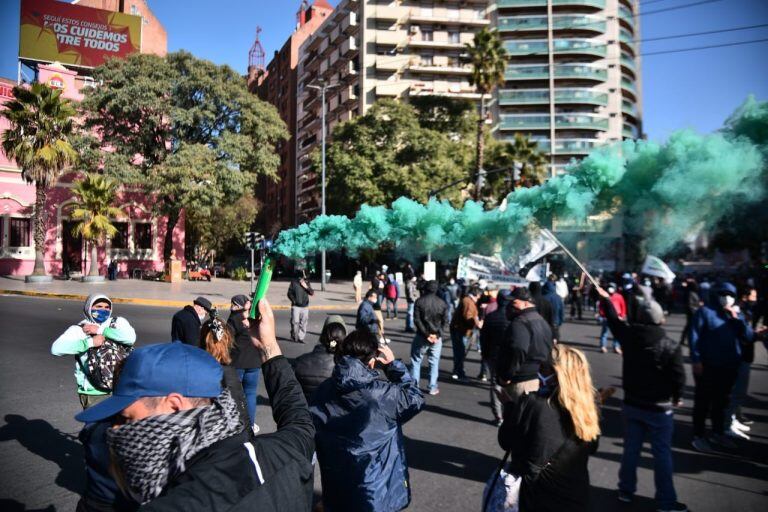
[[451, 446]]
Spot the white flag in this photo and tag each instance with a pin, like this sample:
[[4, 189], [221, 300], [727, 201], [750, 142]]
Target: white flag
[[541, 245], [538, 273], [653, 266]]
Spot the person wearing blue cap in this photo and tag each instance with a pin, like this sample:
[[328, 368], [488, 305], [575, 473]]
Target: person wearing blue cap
[[180, 444], [716, 337]]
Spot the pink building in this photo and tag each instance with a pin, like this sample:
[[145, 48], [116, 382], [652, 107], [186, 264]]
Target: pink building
[[138, 245]]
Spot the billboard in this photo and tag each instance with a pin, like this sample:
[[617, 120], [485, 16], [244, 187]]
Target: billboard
[[72, 34]]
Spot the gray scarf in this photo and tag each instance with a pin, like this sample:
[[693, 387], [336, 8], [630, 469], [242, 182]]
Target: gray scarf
[[151, 452]]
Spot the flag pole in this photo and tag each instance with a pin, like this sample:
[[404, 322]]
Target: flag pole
[[570, 254]]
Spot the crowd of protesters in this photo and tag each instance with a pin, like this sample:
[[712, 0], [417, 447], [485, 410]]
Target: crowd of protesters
[[173, 426]]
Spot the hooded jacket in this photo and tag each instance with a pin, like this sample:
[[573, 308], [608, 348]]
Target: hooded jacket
[[527, 343], [494, 327], [75, 342], [549, 292], [366, 317], [185, 326], [717, 337], [429, 312], [358, 419], [315, 367], [543, 306]]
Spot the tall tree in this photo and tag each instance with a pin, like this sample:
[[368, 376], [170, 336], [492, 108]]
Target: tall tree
[[385, 154], [95, 196], [184, 128], [41, 124], [489, 60], [224, 227], [526, 164]]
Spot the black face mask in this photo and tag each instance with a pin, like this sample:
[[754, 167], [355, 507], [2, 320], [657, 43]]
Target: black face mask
[[512, 312]]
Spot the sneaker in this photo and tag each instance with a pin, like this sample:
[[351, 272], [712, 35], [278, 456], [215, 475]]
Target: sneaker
[[700, 444], [675, 507], [618, 350], [455, 376], [722, 441], [624, 497], [739, 425], [255, 428], [498, 421], [434, 392], [736, 433], [603, 350], [482, 377]]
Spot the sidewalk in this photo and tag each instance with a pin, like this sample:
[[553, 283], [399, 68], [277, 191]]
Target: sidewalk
[[338, 294]]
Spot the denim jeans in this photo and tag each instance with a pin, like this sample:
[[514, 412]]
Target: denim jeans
[[419, 346], [409, 317], [459, 342], [658, 426], [604, 334], [738, 393], [250, 379], [392, 306]]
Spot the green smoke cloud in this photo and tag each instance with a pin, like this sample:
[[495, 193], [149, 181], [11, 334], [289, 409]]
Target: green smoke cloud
[[664, 191]]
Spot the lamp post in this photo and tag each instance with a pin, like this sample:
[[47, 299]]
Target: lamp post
[[322, 87]]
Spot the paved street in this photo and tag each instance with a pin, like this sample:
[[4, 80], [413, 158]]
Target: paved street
[[451, 446]]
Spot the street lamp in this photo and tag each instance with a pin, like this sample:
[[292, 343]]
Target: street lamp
[[322, 86]]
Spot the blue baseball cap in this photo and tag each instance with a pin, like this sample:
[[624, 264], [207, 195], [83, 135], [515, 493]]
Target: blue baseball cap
[[158, 370]]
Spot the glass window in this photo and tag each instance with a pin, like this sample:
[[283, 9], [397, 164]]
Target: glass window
[[142, 235], [453, 36], [120, 240], [426, 60], [20, 233], [453, 61], [427, 35]]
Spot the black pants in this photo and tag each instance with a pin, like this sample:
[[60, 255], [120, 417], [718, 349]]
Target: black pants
[[576, 305], [687, 329], [713, 389]]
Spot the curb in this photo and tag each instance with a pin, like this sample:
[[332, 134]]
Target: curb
[[160, 302]]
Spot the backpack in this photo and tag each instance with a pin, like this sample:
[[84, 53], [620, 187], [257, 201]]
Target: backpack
[[100, 362]]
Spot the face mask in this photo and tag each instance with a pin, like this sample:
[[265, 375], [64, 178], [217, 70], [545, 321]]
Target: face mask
[[727, 301], [611, 290], [545, 386], [100, 315], [543, 380]]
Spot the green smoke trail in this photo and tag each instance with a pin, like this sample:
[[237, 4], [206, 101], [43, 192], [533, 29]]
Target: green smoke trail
[[664, 191]]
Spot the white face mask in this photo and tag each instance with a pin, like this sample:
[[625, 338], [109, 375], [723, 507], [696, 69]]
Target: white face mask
[[611, 290], [727, 301]]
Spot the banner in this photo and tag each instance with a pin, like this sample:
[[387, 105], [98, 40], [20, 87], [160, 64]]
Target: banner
[[475, 267], [653, 266], [71, 34], [541, 245]]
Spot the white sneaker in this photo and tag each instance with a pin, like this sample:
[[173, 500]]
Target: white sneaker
[[736, 433], [739, 425], [255, 428]]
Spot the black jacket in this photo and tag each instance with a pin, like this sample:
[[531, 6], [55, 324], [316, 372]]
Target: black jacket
[[313, 368], [429, 312], [544, 451], [185, 326], [493, 331], [527, 343], [270, 472], [652, 366], [101, 492], [298, 295], [232, 382], [543, 306], [244, 354]]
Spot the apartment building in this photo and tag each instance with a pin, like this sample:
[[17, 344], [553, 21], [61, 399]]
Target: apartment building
[[573, 80], [372, 49]]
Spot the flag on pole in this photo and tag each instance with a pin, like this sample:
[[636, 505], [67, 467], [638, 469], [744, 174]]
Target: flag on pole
[[653, 266], [540, 246]]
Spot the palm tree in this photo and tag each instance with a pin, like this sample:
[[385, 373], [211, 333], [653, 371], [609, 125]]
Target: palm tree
[[41, 123], [524, 152], [489, 61], [95, 196]]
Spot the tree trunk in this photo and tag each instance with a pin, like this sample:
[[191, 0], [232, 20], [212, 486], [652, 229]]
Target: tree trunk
[[173, 219], [39, 230], [94, 270], [480, 148]]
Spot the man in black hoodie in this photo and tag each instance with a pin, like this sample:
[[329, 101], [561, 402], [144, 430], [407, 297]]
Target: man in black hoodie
[[186, 323], [430, 315], [298, 293], [491, 339], [653, 379], [543, 305]]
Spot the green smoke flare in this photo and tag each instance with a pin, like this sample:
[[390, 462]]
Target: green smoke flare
[[665, 192]]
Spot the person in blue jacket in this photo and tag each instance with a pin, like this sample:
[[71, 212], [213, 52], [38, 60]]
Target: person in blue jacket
[[549, 292], [716, 337], [358, 421], [366, 316]]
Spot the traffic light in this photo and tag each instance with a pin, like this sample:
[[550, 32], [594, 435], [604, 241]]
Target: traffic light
[[252, 239]]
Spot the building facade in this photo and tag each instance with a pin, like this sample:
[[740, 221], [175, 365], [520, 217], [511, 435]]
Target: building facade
[[138, 246], [372, 49], [277, 86], [592, 95]]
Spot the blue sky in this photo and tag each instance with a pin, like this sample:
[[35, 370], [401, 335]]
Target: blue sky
[[693, 89]]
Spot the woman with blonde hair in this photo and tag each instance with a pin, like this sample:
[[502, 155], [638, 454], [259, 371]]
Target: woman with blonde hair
[[217, 338], [551, 434]]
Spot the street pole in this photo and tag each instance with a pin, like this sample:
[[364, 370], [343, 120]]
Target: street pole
[[322, 185]]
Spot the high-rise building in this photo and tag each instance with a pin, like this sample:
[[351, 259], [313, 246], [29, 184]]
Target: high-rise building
[[372, 49], [277, 85], [573, 79]]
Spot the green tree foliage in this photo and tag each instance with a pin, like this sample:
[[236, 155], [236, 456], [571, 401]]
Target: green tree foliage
[[454, 116], [95, 196], [184, 128], [225, 226], [521, 153], [41, 125], [385, 154], [489, 62]]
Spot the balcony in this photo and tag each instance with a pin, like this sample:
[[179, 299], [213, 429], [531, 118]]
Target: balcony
[[392, 62], [349, 24], [418, 43], [626, 37], [391, 89], [628, 85], [568, 146], [390, 37], [537, 72], [561, 22], [630, 131], [629, 108], [543, 3], [449, 69], [541, 96], [471, 20], [625, 13], [348, 47], [628, 62], [389, 13], [560, 47], [518, 122]]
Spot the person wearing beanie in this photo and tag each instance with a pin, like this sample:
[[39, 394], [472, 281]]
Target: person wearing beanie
[[245, 357], [186, 323], [314, 367]]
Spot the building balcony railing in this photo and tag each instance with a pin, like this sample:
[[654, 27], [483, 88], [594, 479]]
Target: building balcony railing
[[629, 108], [560, 46], [628, 85], [625, 13], [418, 43], [349, 24], [567, 146], [449, 69], [416, 16], [518, 122], [628, 62], [566, 22], [537, 72], [541, 96], [625, 36], [543, 3]]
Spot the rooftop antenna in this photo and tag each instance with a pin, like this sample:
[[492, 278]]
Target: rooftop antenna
[[257, 55]]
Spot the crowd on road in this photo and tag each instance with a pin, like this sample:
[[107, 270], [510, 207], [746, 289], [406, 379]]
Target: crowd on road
[[173, 426]]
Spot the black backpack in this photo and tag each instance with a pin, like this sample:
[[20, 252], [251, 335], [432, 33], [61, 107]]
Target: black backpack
[[101, 361]]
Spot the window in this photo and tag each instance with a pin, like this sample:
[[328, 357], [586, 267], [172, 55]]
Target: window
[[120, 240], [134, 10], [427, 35], [142, 235], [453, 36], [427, 60], [453, 61], [20, 233]]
